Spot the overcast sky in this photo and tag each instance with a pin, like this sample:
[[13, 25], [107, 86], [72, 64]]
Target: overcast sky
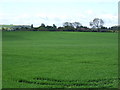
[[58, 11]]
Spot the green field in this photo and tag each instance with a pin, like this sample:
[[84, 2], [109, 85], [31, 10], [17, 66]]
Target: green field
[[60, 59]]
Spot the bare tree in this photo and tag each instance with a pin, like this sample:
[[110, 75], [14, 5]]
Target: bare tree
[[97, 23], [67, 24], [76, 24]]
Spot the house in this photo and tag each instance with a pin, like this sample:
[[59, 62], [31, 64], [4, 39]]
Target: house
[[21, 27]]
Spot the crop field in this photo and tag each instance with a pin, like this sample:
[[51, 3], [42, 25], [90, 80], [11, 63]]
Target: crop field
[[33, 59]]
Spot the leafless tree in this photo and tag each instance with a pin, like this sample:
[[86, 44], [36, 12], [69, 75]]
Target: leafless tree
[[76, 24], [97, 23]]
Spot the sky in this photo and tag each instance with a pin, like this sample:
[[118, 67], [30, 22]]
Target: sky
[[49, 12]]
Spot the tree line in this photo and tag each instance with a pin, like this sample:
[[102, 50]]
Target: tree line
[[96, 26]]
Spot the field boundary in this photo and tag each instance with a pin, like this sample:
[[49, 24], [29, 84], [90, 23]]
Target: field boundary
[[0, 59]]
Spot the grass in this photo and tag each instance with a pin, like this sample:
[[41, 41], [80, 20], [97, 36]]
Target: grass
[[60, 60]]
